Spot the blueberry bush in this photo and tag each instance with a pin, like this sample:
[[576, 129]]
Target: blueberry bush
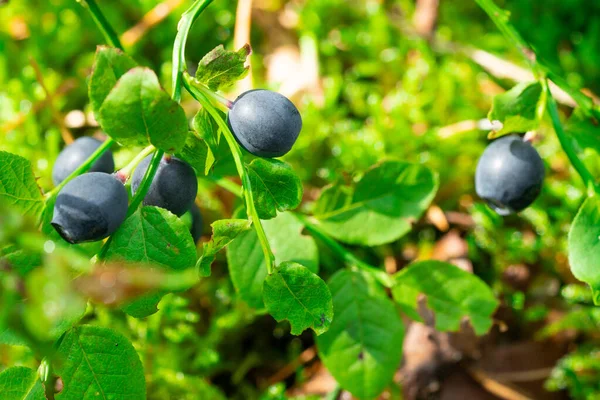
[[299, 200]]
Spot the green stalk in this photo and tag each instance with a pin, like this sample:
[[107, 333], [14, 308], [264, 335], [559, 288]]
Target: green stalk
[[239, 163], [185, 24], [109, 33], [85, 167], [128, 169], [567, 145]]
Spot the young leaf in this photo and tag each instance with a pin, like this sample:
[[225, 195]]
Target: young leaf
[[385, 202], [197, 154], [109, 65], [275, 186], [17, 185], [21, 383], [98, 363], [451, 294], [294, 293], [221, 68], [363, 346], [517, 109], [224, 232], [137, 111], [246, 261], [584, 245], [155, 236]]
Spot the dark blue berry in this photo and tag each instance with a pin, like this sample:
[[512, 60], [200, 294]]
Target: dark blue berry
[[265, 123], [509, 175], [72, 156], [90, 207], [174, 186]]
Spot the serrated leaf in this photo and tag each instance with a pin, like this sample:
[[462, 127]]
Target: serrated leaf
[[137, 111], [275, 187], [18, 187], [363, 346], [224, 232], [109, 65], [99, 363], [21, 383], [155, 236], [246, 261], [197, 154], [451, 294], [220, 68], [584, 245], [385, 203], [296, 294], [517, 109]]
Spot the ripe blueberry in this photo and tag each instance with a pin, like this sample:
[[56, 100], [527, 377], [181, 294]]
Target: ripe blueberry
[[265, 123], [509, 174], [196, 228], [72, 156], [90, 207], [174, 186]]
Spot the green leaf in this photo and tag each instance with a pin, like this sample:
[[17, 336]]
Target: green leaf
[[17, 185], [109, 65], [385, 203], [246, 261], [363, 346], [155, 236], [275, 186], [517, 109], [220, 68], [197, 154], [296, 294], [137, 111], [584, 245], [224, 232], [21, 383], [451, 294], [99, 363]]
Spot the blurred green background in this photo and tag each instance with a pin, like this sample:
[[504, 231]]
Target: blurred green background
[[373, 79]]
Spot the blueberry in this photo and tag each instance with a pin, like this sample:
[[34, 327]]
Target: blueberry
[[75, 154], [509, 175], [265, 123], [90, 207], [197, 222], [174, 186]]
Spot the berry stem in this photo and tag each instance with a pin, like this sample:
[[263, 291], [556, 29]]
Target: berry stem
[[241, 168], [107, 30], [128, 169], [83, 167]]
